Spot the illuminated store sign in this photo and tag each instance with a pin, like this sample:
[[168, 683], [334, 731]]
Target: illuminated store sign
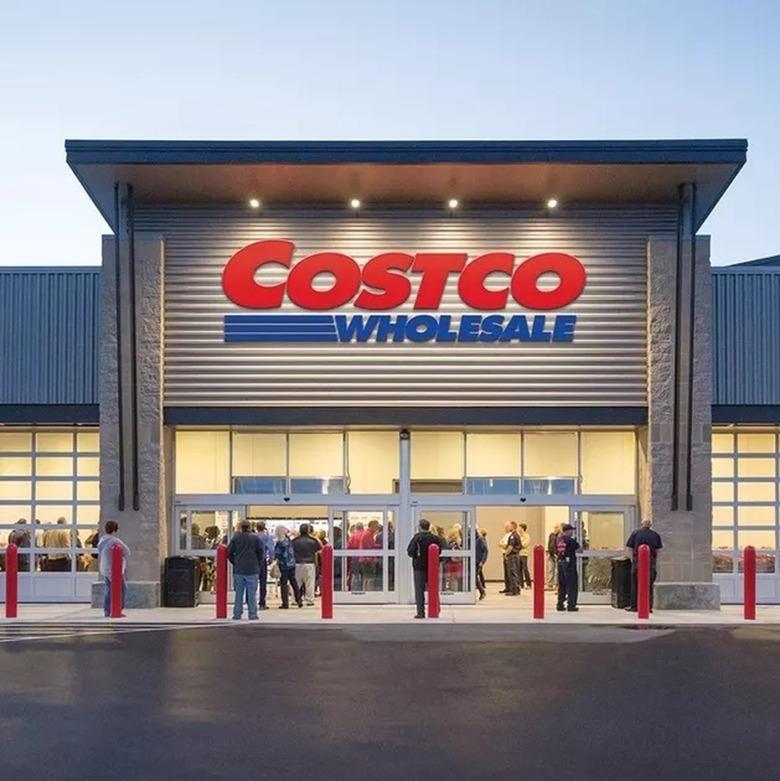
[[391, 279]]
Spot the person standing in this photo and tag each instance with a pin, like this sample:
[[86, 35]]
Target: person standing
[[268, 554], [552, 557], [512, 549], [525, 539], [418, 552], [105, 546], [568, 587], [306, 549], [481, 551], [285, 555], [59, 539], [21, 538], [643, 536], [245, 552]]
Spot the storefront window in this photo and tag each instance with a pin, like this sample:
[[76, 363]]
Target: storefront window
[[608, 462], [259, 462], [373, 461], [493, 455], [437, 455], [550, 454], [317, 463], [202, 462]]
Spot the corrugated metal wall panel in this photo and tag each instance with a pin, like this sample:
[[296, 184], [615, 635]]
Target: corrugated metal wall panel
[[746, 336], [604, 366], [48, 336]]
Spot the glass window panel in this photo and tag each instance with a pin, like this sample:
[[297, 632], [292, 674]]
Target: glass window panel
[[88, 514], [437, 455], [54, 466], [722, 516], [756, 516], [604, 530], [722, 443], [608, 462], [55, 562], [758, 539], [51, 513], [722, 540], [492, 485], [722, 563], [202, 462], [723, 492], [49, 490], [550, 454], [765, 563], [12, 513], [15, 442], [316, 455], [259, 454], [259, 485], [88, 441], [373, 461], [87, 490], [316, 485], [493, 455], [564, 485], [15, 489], [88, 466], [16, 466], [757, 492], [756, 467], [723, 467], [54, 442], [756, 443]]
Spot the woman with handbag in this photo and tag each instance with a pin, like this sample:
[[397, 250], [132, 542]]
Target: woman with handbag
[[285, 557]]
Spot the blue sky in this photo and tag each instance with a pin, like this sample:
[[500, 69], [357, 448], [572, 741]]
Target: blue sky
[[392, 70]]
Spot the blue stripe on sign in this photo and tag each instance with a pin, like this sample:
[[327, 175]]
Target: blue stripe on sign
[[285, 337], [276, 328], [292, 319]]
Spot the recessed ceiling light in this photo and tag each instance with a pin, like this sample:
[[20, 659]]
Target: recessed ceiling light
[[355, 203], [552, 203], [453, 203], [254, 203]]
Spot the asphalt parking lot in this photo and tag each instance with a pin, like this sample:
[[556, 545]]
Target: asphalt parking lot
[[387, 702]]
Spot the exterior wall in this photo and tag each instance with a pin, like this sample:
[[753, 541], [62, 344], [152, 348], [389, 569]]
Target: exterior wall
[[605, 365]]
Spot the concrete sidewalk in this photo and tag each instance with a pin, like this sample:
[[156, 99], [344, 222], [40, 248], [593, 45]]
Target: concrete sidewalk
[[492, 611]]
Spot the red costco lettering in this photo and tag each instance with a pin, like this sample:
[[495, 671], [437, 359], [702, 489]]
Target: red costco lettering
[[384, 281]]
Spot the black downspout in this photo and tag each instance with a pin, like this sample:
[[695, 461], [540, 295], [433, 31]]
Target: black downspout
[[675, 394], [689, 452], [118, 314], [133, 355]]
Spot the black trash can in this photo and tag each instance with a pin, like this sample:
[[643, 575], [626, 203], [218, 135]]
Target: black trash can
[[621, 582], [180, 581]]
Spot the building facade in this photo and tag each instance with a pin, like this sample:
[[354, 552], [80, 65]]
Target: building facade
[[359, 335]]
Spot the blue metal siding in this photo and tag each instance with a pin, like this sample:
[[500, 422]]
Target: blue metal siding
[[48, 335], [746, 336]]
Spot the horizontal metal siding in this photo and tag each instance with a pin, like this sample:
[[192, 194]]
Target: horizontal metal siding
[[606, 365], [746, 338], [48, 336]]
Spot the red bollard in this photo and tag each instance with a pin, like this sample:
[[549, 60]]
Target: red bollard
[[434, 603], [538, 581], [117, 578], [221, 581], [11, 580], [750, 583], [326, 582], [643, 582]]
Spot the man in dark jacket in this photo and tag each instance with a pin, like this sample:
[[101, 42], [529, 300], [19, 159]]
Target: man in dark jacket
[[643, 536], [568, 586], [481, 550], [418, 551], [246, 554], [512, 544]]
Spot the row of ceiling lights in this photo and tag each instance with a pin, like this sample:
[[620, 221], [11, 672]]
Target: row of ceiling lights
[[452, 203]]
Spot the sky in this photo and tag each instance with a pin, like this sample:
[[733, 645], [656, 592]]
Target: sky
[[402, 69]]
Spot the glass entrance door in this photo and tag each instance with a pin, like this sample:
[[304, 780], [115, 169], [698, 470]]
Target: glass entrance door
[[364, 554], [457, 529], [602, 533]]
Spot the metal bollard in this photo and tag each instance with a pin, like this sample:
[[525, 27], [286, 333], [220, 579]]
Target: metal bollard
[[326, 583], [643, 582], [117, 578], [539, 575], [221, 581], [11, 580], [434, 601], [749, 588]]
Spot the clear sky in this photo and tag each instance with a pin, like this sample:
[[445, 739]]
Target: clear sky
[[401, 69]]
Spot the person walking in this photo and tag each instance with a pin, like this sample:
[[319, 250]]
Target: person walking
[[418, 552], [568, 588], [481, 551], [105, 546], [285, 555], [245, 552], [512, 548], [552, 557], [525, 539], [267, 541], [643, 536], [306, 549]]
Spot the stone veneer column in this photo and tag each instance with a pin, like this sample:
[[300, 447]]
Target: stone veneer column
[[144, 529], [685, 565]]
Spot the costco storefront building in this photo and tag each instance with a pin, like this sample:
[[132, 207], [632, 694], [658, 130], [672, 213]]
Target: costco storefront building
[[360, 334]]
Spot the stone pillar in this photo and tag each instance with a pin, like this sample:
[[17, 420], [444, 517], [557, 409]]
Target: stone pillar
[[681, 510], [143, 527]]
